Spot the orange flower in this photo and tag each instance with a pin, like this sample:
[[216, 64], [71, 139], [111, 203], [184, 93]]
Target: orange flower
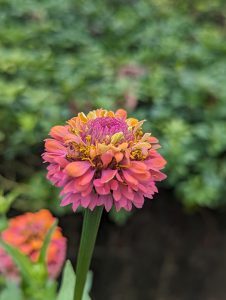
[[27, 233]]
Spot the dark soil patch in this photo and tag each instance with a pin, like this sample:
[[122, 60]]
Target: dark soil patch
[[162, 253]]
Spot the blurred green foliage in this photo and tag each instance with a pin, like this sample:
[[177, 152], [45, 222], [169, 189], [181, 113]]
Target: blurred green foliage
[[165, 59]]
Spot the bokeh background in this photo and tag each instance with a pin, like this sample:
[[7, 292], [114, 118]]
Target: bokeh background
[[162, 60]]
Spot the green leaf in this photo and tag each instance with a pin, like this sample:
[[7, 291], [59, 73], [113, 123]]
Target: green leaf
[[88, 286], [43, 252], [68, 284], [23, 263], [11, 291]]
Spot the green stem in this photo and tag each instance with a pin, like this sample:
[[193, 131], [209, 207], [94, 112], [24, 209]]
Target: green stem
[[90, 227]]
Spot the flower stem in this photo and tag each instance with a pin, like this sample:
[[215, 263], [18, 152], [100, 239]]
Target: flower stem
[[90, 227]]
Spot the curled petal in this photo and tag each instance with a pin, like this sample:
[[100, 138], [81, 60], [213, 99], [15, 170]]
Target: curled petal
[[107, 175], [86, 178], [77, 168], [106, 158], [54, 146], [138, 166], [58, 132], [121, 113], [129, 178]]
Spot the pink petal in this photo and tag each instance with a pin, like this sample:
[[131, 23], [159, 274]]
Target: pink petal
[[128, 206], [157, 176], [117, 195], [75, 205], [103, 190], [106, 159], [58, 132], [87, 191], [55, 147], [142, 177], [107, 175], [138, 167], [85, 201], [129, 178], [97, 183], [119, 177], [93, 201], [106, 201], [119, 156], [138, 201], [86, 178], [157, 163], [77, 168], [114, 184]]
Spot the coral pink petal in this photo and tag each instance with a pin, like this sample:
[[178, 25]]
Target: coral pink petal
[[93, 201], [103, 190], [69, 199], [75, 205], [85, 201], [114, 184], [118, 156], [138, 201], [142, 176], [87, 191], [77, 168], [129, 178], [138, 167], [121, 113], [107, 175], [58, 132], [158, 176], [86, 178], [107, 201], [119, 177], [106, 159], [61, 161], [128, 206], [97, 183], [55, 147], [158, 162], [117, 195]]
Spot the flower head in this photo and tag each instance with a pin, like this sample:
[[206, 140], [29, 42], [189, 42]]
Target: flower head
[[27, 233], [103, 158]]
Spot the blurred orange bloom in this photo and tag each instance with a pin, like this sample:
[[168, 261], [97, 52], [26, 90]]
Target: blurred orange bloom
[[27, 233]]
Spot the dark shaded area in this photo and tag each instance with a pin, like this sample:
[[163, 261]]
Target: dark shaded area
[[162, 253]]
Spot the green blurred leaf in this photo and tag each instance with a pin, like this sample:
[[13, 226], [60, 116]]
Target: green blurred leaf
[[23, 263], [43, 253], [11, 291], [66, 291]]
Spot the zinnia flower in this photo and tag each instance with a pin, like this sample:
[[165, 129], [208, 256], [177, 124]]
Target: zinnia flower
[[103, 158], [27, 233]]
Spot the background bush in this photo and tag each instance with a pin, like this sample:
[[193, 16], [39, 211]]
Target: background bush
[[164, 59]]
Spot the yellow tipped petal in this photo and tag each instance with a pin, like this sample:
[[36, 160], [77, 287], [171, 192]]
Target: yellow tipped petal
[[102, 148], [82, 117], [92, 115], [121, 113], [111, 114], [116, 137], [132, 122], [142, 145]]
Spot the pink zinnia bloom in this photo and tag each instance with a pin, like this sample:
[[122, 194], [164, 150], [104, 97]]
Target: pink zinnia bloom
[[103, 158], [27, 233]]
